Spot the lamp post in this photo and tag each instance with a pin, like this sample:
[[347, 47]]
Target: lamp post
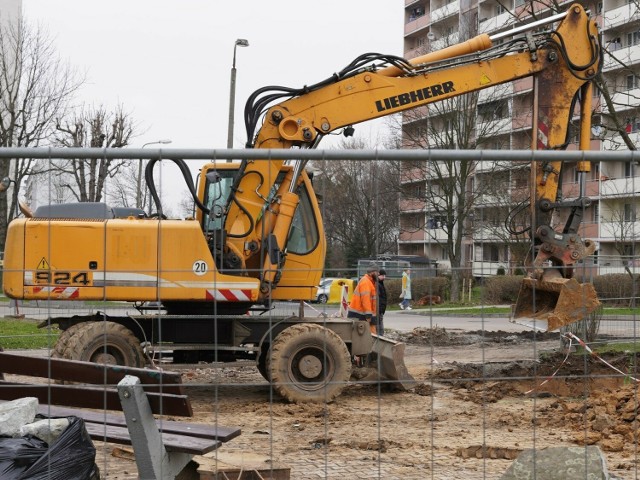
[[240, 42], [139, 186]]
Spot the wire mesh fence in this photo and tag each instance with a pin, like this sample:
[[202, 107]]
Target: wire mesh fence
[[485, 391]]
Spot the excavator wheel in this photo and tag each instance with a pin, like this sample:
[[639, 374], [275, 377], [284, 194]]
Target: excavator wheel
[[105, 342], [309, 363], [60, 347]]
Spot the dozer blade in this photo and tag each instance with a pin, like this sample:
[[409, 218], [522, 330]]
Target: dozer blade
[[391, 362], [549, 305]]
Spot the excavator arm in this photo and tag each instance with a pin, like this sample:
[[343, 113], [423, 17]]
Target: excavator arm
[[562, 61]]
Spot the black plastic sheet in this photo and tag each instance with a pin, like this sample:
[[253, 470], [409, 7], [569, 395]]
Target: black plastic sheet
[[71, 457]]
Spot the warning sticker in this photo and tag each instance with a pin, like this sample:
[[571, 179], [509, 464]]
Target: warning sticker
[[43, 265]]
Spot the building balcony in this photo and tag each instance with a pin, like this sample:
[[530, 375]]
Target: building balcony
[[488, 233], [572, 189], [412, 205], [623, 56], [620, 16], [499, 22], [487, 269], [492, 128], [446, 11], [523, 85], [416, 24], [493, 166], [619, 230], [615, 142], [445, 42], [495, 92], [522, 120], [435, 235], [619, 187], [412, 236], [625, 100]]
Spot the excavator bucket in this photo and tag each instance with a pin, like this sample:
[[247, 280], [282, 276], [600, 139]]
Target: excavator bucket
[[391, 362], [549, 305]]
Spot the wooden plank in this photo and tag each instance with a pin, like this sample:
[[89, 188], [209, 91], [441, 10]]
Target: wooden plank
[[172, 442], [224, 434], [240, 465], [92, 397], [89, 372]]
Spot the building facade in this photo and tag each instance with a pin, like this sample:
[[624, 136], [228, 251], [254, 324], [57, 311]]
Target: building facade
[[487, 244]]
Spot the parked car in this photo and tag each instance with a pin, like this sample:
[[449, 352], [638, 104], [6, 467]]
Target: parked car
[[330, 289]]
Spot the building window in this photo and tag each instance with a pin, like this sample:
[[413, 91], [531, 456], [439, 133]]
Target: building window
[[633, 38], [416, 13], [629, 212], [632, 82], [596, 212], [629, 169], [632, 125], [490, 253], [615, 44]]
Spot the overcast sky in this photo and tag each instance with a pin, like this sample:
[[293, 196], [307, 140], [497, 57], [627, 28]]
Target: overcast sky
[[169, 62]]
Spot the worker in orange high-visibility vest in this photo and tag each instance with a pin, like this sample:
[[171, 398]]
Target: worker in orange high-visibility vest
[[364, 303]]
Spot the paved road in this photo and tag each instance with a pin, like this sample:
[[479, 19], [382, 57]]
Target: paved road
[[406, 321], [396, 319]]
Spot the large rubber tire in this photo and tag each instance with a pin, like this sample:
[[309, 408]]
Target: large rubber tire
[[309, 363], [60, 348], [322, 298], [105, 342]]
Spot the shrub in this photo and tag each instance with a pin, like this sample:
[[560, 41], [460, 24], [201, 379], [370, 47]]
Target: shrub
[[419, 288], [618, 286], [502, 289], [501, 271]]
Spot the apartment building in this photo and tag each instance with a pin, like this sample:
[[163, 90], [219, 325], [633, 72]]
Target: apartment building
[[487, 245]]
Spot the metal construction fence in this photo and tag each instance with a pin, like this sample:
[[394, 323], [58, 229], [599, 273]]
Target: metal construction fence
[[488, 397]]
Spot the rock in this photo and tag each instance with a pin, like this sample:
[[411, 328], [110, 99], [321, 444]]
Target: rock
[[15, 414], [48, 429], [559, 463]]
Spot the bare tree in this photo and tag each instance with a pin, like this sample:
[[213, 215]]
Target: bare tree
[[35, 89], [85, 178], [359, 207], [445, 189]]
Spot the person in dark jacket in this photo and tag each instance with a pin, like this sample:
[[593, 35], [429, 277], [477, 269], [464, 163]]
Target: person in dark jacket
[[382, 301]]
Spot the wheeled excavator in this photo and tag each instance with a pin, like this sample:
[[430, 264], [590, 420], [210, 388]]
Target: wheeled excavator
[[257, 235]]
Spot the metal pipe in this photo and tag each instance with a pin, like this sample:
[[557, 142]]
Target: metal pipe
[[528, 26], [315, 154]]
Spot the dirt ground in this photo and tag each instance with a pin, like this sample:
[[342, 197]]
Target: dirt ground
[[472, 389]]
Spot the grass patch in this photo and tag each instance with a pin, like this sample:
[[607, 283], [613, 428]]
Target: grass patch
[[624, 347], [24, 334]]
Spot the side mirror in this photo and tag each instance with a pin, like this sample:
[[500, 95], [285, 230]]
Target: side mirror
[[213, 176]]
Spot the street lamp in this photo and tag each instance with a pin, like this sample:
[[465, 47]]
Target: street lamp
[[240, 42], [139, 189]]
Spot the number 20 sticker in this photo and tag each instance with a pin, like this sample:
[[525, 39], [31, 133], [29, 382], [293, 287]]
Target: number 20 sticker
[[200, 267]]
